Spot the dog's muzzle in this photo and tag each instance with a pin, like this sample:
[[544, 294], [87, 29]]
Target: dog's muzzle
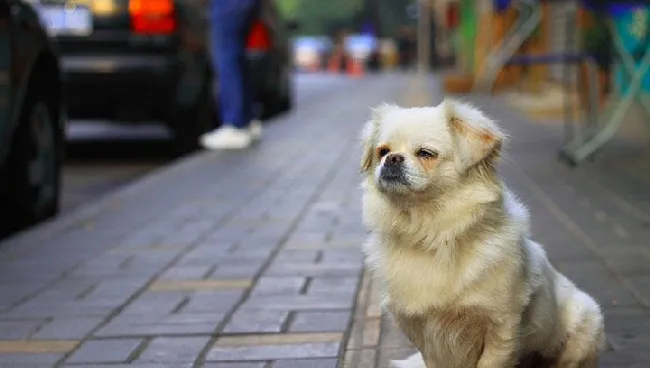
[[392, 172]]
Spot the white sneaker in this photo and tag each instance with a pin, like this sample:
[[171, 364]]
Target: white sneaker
[[226, 137], [255, 129]]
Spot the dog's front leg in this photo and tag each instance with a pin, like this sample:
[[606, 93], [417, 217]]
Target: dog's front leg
[[501, 345]]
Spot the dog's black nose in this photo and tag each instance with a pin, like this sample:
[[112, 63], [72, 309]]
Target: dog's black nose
[[394, 159]]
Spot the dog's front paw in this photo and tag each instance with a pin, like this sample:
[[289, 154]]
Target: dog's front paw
[[399, 364], [414, 361]]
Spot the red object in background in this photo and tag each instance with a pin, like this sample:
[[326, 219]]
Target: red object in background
[[259, 37], [153, 17], [452, 16]]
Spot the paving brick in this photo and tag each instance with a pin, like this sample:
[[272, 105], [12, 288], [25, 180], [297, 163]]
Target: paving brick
[[301, 302], [642, 286], [297, 255], [67, 328], [273, 352], [129, 365], [256, 321], [24, 360], [17, 330], [305, 363], [36, 346], [118, 290], [154, 325], [186, 273], [196, 285], [32, 309], [249, 254], [278, 339], [360, 359], [105, 351], [346, 286], [320, 321], [173, 349], [234, 365], [219, 302], [313, 270], [343, 256], [246, 271], [155, 303], [278, 286]]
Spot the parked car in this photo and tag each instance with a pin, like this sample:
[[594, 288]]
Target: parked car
[[270, 55], [141, 60], [32, 119]]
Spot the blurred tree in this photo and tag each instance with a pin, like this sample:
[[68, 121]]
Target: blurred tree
[[289, 8], [394, 15], [317, 17]]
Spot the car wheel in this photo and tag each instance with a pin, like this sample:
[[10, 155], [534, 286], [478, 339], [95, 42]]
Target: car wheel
[[34, 167], [188, 126], [279, 99], [286, 100]]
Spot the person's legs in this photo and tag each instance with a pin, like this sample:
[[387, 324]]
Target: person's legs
[[230, 26]]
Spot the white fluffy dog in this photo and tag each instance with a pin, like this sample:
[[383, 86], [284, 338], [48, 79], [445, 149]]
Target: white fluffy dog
[[450, 245]]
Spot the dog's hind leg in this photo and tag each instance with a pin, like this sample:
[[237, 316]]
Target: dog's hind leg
[[580, 351], [586, 336]]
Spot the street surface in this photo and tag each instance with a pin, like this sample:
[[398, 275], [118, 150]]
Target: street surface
[[252, 259], [103, 156]]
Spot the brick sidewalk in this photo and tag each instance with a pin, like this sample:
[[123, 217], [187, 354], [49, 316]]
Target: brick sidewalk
[[252, 259]]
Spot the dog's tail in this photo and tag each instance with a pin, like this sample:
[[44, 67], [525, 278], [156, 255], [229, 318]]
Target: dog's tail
[[414, 361]]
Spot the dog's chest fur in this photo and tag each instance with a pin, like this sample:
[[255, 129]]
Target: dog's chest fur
[[415, 282], [454, 337], [439, 298]]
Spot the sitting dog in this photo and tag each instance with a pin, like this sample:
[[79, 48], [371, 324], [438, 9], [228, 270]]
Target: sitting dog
[[450, 244]]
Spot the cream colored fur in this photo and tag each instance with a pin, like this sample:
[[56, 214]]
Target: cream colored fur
[[450, 244]]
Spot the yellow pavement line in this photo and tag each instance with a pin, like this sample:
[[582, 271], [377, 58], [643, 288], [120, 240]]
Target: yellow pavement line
[[37, 346], [194, 285], [279, 339]]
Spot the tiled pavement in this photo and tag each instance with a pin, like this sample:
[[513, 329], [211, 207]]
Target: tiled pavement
[[251, 259]]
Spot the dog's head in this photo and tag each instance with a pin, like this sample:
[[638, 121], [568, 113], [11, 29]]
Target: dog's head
[[428, 149]]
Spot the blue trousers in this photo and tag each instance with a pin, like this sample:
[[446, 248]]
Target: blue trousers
[[230, 23]]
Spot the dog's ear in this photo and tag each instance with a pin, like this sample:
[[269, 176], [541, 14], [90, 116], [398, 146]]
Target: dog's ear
[[476, 137], [369, 135]]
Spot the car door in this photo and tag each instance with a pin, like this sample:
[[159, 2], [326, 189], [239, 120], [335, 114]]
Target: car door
[[5, 76]]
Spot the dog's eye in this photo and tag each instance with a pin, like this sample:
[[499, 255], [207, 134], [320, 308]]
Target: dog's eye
[[427, 154], [383, 151]]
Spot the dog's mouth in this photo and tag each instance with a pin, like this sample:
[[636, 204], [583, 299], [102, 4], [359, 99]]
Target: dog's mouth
[[391, 177]]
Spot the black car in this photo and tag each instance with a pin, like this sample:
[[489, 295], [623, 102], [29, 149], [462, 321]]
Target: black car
[[270, 54], [32, 118], [142, 60]]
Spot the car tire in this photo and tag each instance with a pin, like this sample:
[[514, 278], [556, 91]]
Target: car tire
[[279, 99], [188, 126], [286, 101], [31, 192]]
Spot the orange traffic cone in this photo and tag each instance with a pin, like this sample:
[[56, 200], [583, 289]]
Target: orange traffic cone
[[355, 67], [333, 64]]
